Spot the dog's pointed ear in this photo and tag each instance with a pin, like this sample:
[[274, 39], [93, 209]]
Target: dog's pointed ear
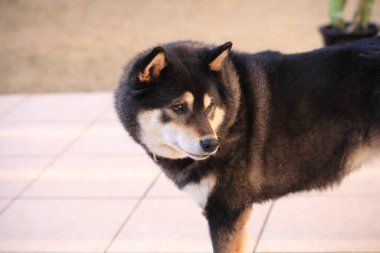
[[152, 65], [218, 55]]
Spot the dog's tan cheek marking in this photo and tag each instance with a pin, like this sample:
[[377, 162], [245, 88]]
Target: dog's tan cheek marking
[[212, 114], [217, 119], [206, 101], [149, 122], [153, 132], [149, 117]]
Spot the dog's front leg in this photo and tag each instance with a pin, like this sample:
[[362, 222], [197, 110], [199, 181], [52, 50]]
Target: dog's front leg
[[228, 228]]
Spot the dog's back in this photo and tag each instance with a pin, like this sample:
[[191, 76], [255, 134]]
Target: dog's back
[[316, 115]]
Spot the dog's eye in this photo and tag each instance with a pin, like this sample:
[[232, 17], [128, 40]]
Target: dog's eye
[[179, 108]]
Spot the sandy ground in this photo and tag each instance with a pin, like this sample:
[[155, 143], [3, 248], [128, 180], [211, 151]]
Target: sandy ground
[[70, 45]]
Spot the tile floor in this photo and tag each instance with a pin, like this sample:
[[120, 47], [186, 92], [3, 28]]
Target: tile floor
[[71, 180]]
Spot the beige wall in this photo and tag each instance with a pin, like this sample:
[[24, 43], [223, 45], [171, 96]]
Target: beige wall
[[81, 45]]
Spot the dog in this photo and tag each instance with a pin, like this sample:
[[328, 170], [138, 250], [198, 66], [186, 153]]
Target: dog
[[233, 128]]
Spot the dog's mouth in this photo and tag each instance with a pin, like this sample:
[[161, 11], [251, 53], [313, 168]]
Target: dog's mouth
[[195, 156], [198, 157]]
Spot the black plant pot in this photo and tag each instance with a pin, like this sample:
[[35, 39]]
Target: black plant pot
[[333, 36]]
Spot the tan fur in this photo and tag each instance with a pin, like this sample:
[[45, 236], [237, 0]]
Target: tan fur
[[236, 241], [177, 138], [188, 97], [156, 136], [157, 64], [152, 134], [218, 119], [216, 64], [206, 101], [363, 154]]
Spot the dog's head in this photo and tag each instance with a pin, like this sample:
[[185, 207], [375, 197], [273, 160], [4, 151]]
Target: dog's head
[[172, 99]]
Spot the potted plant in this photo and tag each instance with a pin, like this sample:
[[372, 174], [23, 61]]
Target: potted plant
[[339, 31]]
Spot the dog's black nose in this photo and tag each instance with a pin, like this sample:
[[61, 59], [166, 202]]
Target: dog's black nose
[[210, 144]]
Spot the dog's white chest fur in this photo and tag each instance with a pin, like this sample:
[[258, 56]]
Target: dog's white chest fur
[[201, 191]]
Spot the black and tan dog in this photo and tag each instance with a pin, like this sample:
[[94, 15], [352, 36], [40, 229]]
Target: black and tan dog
[[234, 128]]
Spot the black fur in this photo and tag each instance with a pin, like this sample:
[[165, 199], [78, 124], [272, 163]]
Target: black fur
[[321, 106]]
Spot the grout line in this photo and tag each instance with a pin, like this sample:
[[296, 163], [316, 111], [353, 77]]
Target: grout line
[[27, 96], [49, 120], [109, 107], [126, 154], [54, 159], [327, 195], [196, 252], [211, 252], [169, 197], [188, 252], [53, 251], [74, 197], [132, 212], [105, 120], [94, 197], [263, 227], [133, 252], [15, 156], [143, 153], [13, 199]]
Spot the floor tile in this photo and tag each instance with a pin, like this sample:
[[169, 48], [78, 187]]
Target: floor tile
[[110, 114], [62, 225], [323, 224], [364, 181], [99, 176], [106, 137], [3, 203], [256, 223], [164, 187], [71, 106], [37, 138], [173, 225], [8, 102], [17, 172]]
